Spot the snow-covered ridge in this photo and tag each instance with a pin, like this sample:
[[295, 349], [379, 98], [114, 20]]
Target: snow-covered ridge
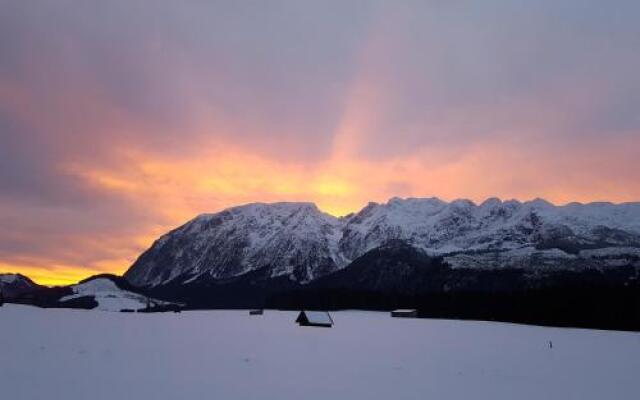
[[298, 241], [441, 227]]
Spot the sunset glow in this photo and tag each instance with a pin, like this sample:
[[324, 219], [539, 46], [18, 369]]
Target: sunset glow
[[104, 150]]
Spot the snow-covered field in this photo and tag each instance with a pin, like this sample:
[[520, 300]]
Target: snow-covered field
[[71, 354]]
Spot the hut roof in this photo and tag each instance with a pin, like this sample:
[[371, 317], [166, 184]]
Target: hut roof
[[316, 317]]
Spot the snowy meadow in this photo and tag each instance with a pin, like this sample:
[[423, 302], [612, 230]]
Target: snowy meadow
[[72, 354]]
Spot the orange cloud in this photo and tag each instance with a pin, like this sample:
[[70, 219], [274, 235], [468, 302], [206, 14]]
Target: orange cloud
[[173, 189]]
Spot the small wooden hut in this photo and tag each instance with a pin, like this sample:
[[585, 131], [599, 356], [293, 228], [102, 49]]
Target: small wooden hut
[[315, 318], [256, 312]]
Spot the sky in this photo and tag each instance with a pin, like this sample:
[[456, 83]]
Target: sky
[[121, 120]]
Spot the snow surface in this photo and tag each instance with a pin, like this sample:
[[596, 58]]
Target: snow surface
[[75, 354]]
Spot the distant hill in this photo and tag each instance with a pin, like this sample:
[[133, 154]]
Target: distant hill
[[12, 285]]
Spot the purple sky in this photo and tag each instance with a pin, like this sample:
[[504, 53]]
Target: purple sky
[[122, 119]]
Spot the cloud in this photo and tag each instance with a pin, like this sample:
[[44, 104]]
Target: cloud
[[121, 120]]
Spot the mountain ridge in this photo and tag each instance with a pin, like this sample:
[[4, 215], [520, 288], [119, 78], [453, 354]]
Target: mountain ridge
[[297, 240]]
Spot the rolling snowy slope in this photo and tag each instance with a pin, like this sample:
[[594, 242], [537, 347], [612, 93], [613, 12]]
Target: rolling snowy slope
[[108, 295], [231, 355]]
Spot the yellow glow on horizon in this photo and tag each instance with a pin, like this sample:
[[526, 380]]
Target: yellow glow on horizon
[[55, 275]]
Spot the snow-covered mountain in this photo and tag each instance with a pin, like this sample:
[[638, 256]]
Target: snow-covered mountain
[[500, 234], [12, 285], [298, 241], [293, 239]]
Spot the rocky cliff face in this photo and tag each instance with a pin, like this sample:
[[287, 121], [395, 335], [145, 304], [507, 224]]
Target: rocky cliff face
[[298, 241]]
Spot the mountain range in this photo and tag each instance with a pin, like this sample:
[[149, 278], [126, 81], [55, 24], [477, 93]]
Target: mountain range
[[301, 243]]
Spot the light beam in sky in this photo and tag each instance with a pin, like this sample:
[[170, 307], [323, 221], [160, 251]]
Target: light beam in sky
[[119, 122]]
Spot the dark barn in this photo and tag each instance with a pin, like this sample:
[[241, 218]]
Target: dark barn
[[404, 313]]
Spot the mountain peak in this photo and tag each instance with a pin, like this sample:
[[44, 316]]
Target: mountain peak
[[540, 203]]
